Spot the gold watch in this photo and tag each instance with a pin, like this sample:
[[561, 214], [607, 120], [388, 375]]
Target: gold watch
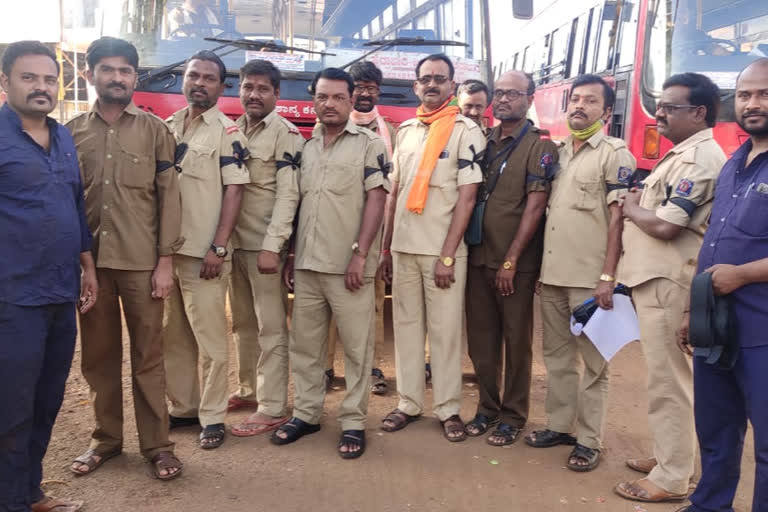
[[507, 265], [607, 278], [447, 261]]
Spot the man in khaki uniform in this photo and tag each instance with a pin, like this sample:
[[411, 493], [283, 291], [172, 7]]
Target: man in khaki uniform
[[663, 231], [436, 175], [134, 212], [213, 172], [343, 183], [503, 269], [582, 245], [257, 295]]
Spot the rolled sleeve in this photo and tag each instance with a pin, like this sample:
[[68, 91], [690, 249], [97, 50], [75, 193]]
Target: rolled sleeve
[[617, 174], [692, 187], [377, 166], [232, 156], [471, 149], [542, 166]]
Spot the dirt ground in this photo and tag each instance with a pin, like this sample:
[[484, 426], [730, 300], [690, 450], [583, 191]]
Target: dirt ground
[[412, 470]]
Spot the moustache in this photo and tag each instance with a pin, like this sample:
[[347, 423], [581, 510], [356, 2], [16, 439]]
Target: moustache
[[39, 95], [747, 115], [579, 114], [199, 90], [116, 84], [432, 90], [256, 102]]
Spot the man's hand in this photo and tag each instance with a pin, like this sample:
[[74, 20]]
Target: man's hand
[[726, 278], [537, 288], [385, 267], [505, 281], [162, 278], [89, 290], [604, 294], [211, 267], [631, 201], [268, 262], [288, 273], [444, 276], [353, 279], [682, 335]]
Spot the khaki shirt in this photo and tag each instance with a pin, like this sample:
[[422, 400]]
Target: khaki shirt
[[392, 132], [680, 190], [132, 198], [333, 181], [576, 232], [529, 168], [214, 157], [271, 198], [459, 164]]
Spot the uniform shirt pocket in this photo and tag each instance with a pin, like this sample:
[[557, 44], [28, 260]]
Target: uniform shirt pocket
[[587, 194], [136, 170], [341, 179], [261, 167], [196, 161]]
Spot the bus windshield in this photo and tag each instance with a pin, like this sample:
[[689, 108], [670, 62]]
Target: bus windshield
[[167, 31], [717, 38]]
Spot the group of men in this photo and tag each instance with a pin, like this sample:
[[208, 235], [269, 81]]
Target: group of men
[[167, 218]]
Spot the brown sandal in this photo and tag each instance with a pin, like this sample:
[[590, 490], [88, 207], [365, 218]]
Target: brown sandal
[[642, 465], [636, 492], [87, 459], [453, 425], [166, 460], [399, 420]]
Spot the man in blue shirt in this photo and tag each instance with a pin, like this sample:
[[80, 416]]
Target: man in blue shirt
[[46, 242], [735, 252]]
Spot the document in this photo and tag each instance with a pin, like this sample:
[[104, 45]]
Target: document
[[610, 330]]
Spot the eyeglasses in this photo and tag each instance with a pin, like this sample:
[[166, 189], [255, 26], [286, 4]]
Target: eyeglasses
[[370, 89], [427, 79], [509, 93], [668, 108]]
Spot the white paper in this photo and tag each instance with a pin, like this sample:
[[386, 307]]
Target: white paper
[[610, 330]]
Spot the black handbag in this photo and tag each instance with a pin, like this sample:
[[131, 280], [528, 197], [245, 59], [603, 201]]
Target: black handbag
[[712, 330]]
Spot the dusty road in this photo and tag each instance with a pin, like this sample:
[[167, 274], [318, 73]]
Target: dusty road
[[412, 470]]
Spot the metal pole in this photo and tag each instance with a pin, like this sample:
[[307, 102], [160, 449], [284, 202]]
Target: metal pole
[[59, 57]]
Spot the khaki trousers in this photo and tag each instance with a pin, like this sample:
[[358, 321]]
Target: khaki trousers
[[260, 329], [570, 396], [660, 304], [195, 325], [317, 296], [420, 307], [378, 347], [102, 359], [500, 339]]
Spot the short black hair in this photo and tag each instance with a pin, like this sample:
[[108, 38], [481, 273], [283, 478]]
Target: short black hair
[[366, 72], [111, 47], [472, 86], [609, 97], [264, 68], [701, 92], [210, 57], [333, 74], [24, 48], [435, 57]]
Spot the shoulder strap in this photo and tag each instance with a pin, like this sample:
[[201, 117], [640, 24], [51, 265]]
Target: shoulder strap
[[503, 154]]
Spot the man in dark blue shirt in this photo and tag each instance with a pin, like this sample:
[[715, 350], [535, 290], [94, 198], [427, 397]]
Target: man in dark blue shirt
[[45, 243], [735, 252]]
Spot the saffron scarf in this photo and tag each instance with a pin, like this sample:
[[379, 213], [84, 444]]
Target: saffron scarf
[[366, 118], [441, 123]]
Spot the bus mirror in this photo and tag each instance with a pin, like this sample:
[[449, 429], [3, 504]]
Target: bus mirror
[[609, 11], [522, 9]]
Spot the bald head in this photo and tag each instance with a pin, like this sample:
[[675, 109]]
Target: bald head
[[513, 96], [751, 101]]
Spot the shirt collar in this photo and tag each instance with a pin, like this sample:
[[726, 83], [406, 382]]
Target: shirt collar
[[130, 109], [211, 114], [349, 128], [495, 134], [265, 122], [11, 116], [694, 139]]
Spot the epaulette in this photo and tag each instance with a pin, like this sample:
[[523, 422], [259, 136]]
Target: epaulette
[[542, 132], [370, 133], [467, 121], [409, 122], [615, 142], [78, 116], [290, 126]]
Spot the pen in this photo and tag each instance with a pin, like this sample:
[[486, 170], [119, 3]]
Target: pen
[[748, 190]]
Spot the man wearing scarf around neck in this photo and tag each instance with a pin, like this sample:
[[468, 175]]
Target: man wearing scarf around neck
[[582, 245], [434, 185]]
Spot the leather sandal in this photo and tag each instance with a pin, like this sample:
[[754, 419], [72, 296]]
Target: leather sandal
[[635, 491]]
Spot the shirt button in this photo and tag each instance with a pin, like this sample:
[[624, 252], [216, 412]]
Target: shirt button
[[722, 219], [135, 160], [106, 182], [111, 130], [109, 155], [104, 233], [735, 196], [712, 244], [106, 207]]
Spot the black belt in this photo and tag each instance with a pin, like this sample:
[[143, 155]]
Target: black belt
[[712, 330]]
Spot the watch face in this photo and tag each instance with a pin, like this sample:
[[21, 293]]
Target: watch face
[[221, 252]]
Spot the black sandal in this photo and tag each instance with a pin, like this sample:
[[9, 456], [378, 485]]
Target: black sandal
[[546, 438], [294, 429], [506, 432], [399, 421], [379, 385], [216, 432], [482, 423], [581, 452], [352, 439]]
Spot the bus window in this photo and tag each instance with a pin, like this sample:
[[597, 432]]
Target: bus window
[[576, 51], [403, 7], [626, 50], [607, 38], [559, 51], [527, 65], [591, 40]]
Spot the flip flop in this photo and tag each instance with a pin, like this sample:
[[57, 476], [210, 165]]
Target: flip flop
[[92, 464], [235, 403], [253, 428]]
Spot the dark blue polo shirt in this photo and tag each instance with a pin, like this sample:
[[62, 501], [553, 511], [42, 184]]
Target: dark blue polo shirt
[[42, 216], [738, 234]]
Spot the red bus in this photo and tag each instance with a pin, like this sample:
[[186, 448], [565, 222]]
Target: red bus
[[636, 45], [336, 31]]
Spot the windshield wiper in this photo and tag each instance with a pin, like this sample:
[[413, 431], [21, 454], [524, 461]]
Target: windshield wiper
[[238, 44], [384, 44]]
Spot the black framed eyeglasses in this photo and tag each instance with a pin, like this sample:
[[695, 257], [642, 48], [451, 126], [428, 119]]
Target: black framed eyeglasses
[[669, 108], [370, 89], [512, 94], [427, 79]]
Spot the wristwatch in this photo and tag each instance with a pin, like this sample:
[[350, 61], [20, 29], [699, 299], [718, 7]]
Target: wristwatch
[[447, 261], [219, 250], [507, 265], [607, 278], [356, 250]]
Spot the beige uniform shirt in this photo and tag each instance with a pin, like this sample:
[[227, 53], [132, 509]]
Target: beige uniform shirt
[[576, 232], [680, 190], [271, 198], [215, 151], [392, 132], [333, 181], [132, 198], [459, 164]]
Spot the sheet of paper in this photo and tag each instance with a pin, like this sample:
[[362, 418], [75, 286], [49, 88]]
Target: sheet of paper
[[610, 330]]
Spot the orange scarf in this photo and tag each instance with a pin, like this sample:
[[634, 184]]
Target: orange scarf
[[441, 123], [366, 118]]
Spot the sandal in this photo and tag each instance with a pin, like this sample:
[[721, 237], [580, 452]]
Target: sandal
[[294, 429], [506, 432], [378, 384], [427, 372], [166, 461], [328, 377], [257, 423], [351, 439], [546, 438], [87, 459], [49, 504], [582, 453], [399, 420], [235, 403], [636, 492], [642, 465], [178, 422], [454, 425], [480, 425], [216, 433]]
